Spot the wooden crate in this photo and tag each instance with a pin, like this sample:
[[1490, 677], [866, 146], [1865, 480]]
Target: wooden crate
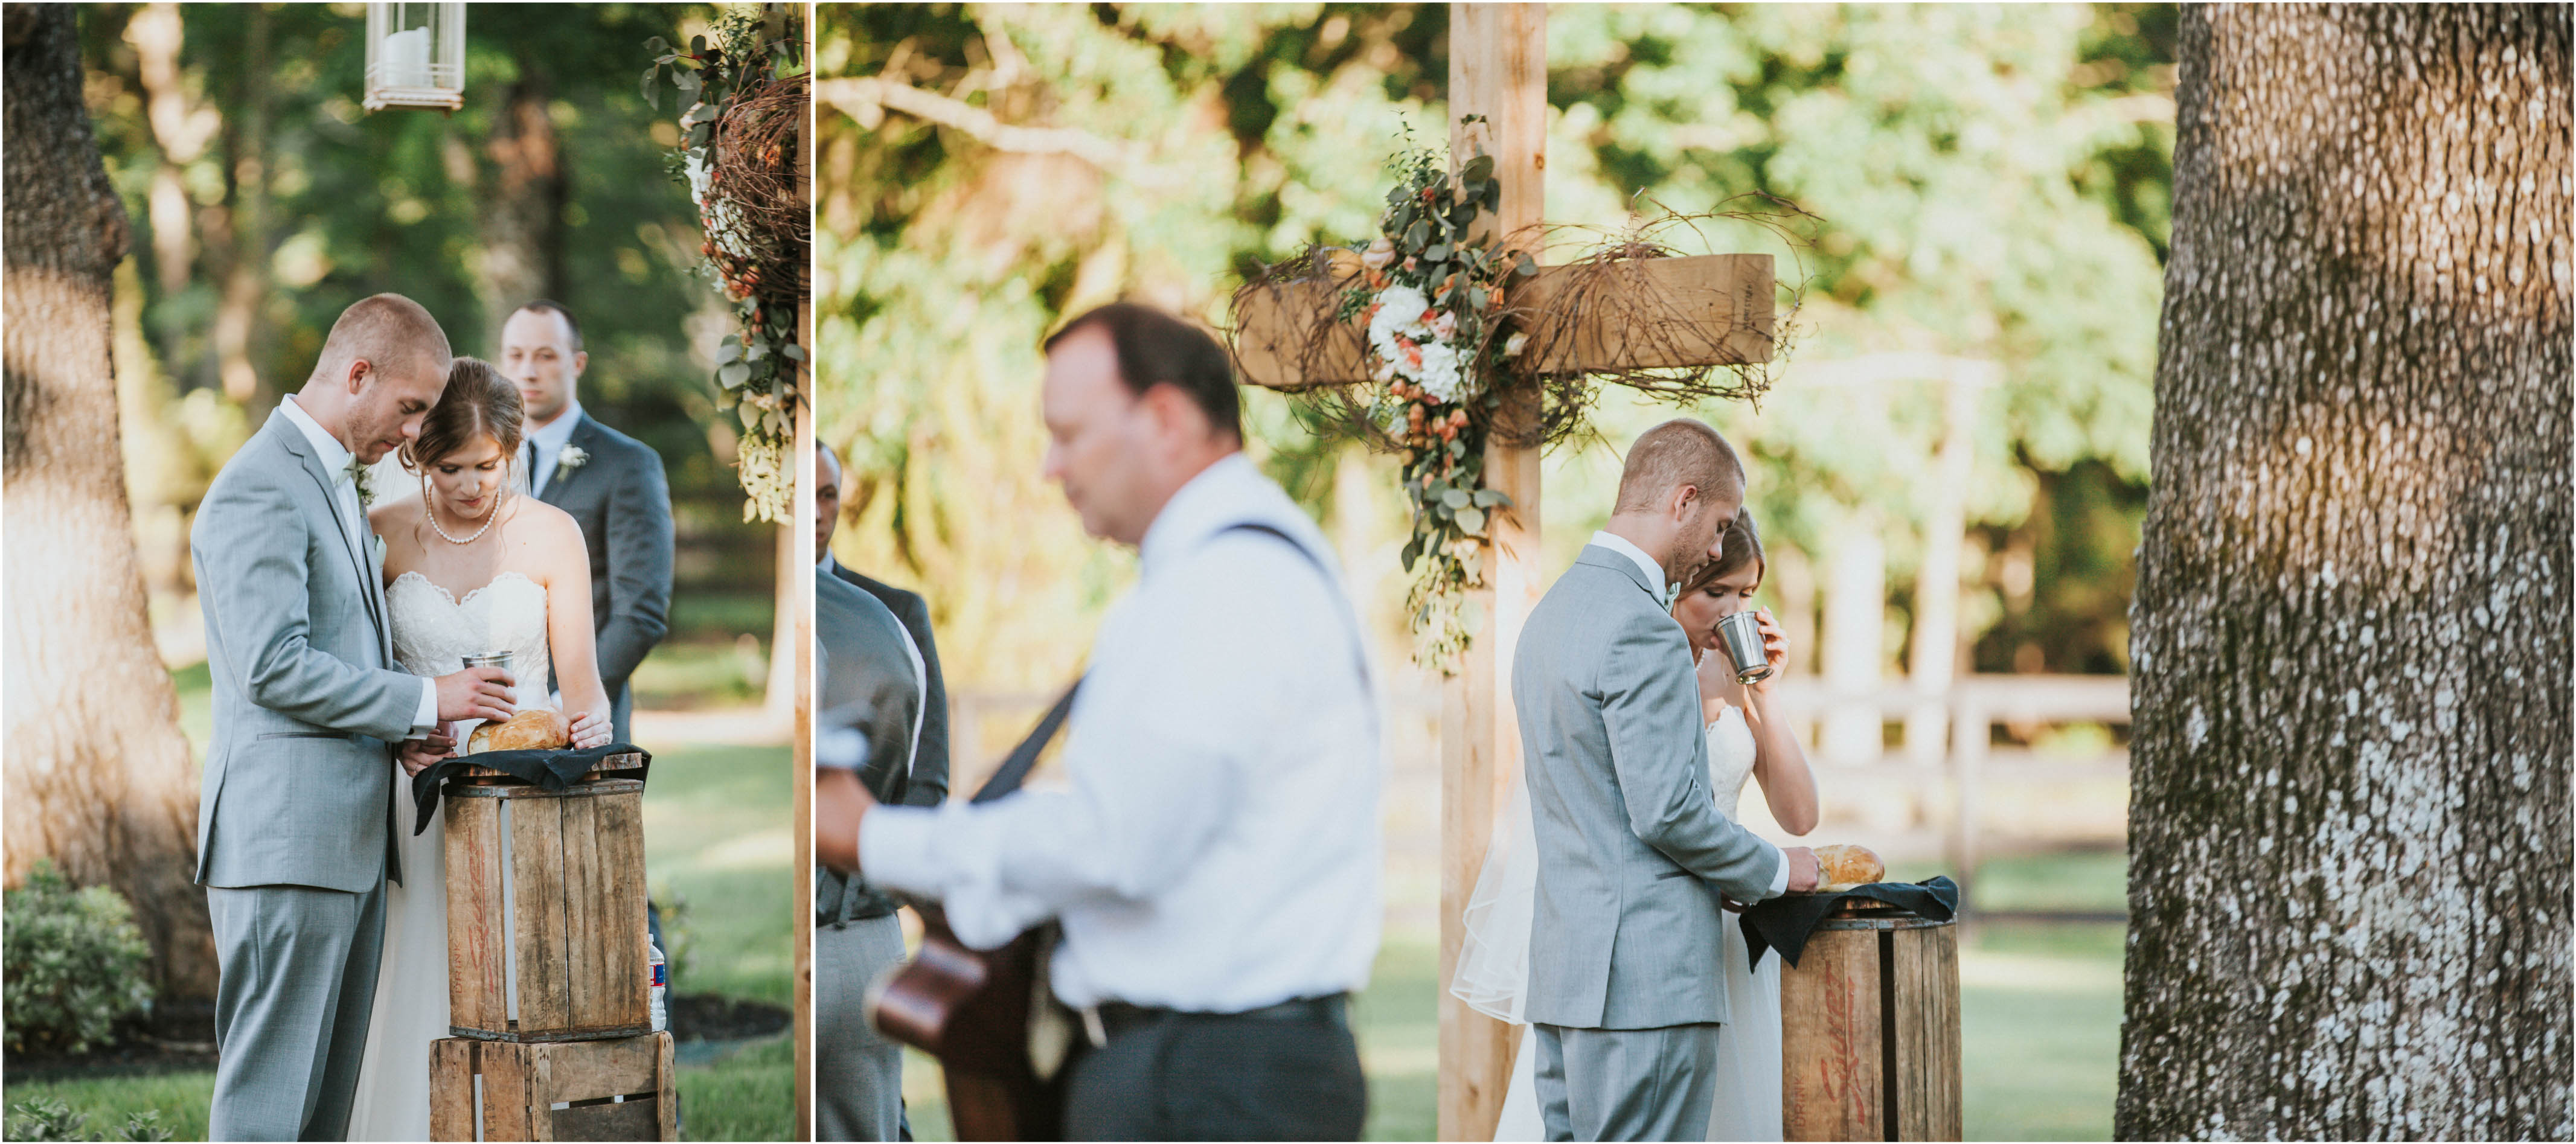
[[565, 1090], [1869, 1029], [563, 936]]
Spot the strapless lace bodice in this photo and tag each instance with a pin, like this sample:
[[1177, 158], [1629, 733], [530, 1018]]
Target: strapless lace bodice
[[1730, 759], [434, 631]]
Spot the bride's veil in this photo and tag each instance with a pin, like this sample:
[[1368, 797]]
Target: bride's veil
[[1493, 960]]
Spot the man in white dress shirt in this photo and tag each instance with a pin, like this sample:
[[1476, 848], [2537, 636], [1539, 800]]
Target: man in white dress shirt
[[1215, 862]]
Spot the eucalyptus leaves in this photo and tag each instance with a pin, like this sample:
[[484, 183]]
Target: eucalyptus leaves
[[1432, 296], [739, 151]]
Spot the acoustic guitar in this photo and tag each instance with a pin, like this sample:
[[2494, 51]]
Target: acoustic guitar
[[998, 1032]]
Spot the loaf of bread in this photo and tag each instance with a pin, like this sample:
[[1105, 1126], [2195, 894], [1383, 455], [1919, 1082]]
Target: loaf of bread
[[1843, 867], [534, 729]]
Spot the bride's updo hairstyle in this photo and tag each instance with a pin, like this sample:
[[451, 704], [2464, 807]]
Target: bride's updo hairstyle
[[479, 402], [1743, 548]]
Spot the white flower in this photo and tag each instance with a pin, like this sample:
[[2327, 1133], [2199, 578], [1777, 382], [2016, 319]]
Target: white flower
[[1444, 324], [1399, 310], [1385, 371], [1440, 372], [1512, 345], [572, 457]]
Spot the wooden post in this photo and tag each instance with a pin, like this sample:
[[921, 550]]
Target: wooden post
[[1498, 70], [801, 525]]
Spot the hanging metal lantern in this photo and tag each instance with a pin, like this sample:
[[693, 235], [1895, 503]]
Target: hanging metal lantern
[[415, 56]]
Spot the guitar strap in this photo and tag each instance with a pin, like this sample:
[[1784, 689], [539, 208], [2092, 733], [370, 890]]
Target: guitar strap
[[1024, 757]]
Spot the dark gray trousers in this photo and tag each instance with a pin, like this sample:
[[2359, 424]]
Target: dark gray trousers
[[858, 1074], [1220, 1077], [1625, 1084], [296, 988]]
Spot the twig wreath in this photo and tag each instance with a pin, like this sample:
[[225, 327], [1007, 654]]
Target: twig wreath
[[741, 154], [1444, 316]]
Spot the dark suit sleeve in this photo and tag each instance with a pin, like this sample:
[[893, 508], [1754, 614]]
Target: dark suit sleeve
[[929, 782], [639, 567]]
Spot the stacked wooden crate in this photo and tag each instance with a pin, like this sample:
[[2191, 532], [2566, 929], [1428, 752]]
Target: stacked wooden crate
[[548, 977]]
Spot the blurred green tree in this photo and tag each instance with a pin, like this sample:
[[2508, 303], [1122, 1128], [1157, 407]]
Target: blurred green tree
[[1995, 184], [266, 200]]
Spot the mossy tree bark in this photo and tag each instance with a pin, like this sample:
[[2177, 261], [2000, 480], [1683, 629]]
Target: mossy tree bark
[[98, 777], [2350, 850]]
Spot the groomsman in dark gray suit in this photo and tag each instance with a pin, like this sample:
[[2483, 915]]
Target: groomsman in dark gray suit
[[908, 607], [611, 483], [879, 722]]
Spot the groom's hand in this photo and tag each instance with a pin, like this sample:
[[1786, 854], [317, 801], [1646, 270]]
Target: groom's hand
[[475, 693], [1802, 868]]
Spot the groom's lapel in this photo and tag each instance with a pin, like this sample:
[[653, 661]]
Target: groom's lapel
[[371, 583], [1599, 557]]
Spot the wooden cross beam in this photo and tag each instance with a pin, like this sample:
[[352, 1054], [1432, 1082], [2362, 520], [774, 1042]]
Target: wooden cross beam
[[1709, 310]]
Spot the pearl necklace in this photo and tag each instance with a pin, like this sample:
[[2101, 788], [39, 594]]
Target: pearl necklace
[[428, 502]]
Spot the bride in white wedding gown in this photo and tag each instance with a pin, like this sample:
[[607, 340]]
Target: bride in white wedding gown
[[1746, 740], [471, 567]]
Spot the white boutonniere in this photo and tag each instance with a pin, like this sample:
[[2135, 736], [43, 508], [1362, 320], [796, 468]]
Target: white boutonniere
[[572, 457], [363, 477]]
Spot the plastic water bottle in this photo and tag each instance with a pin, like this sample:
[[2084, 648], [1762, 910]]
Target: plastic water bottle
[[661, 986]]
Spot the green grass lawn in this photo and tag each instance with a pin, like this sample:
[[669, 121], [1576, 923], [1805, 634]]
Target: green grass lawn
[[749, 1095], [719, 845]]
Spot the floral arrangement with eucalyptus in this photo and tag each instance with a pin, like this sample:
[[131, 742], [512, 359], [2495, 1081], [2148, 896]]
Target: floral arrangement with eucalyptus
[[1432, 293], [741, 153]]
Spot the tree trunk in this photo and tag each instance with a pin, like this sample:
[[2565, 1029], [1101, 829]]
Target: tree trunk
[[2350, 850], [99, 778], [523, 216], [246, 289]]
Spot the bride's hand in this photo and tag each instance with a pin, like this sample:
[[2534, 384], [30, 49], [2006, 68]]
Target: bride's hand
[[590, 729], [417, 755], [1775, 648]]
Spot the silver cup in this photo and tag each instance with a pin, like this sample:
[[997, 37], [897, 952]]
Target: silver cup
[[1741, 635], [500, 659]]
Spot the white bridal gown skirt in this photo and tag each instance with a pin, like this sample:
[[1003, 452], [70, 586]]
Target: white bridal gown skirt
[[411, 986]]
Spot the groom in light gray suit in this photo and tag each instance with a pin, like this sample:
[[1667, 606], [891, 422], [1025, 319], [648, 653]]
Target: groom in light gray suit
[[1625, 982], [294, 841]]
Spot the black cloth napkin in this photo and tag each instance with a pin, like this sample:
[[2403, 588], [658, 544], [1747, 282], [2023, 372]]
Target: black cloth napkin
[[553, 770], [1786, 921]]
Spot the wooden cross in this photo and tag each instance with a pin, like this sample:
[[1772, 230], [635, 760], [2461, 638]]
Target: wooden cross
[[1498, 70]]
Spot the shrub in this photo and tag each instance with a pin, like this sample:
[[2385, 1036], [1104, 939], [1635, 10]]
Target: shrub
[[75, 964], [48, 1119]]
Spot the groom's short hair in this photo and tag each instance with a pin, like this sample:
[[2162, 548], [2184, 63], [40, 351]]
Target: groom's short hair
[[1676, 453], [1155, 348], [380, 328]]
